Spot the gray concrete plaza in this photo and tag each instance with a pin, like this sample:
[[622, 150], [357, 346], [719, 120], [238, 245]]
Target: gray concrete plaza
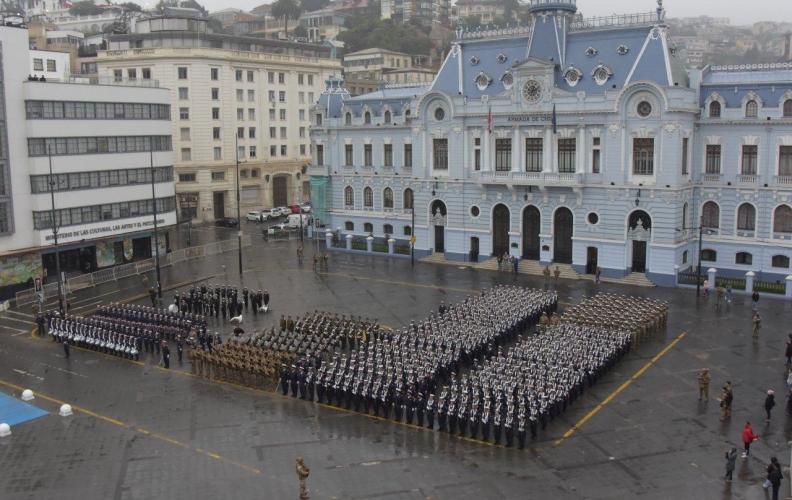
[[142, 432]]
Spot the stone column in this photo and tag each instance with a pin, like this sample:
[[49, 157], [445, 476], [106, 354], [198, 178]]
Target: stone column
[[329, 238], [369, 243], [676, 275], [349, 242], [749, 279], [789, 286], [391, 241], [712, 274]]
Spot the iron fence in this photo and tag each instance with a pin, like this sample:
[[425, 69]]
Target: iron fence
[[689, 278], [401, 249], [736, 283], [776, 287]]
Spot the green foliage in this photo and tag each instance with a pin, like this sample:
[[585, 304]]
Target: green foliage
[[132, 6], [299, 31], [84, 8], [192, 4], [510, 7], [383, 33], [312, 5], [286, 10]]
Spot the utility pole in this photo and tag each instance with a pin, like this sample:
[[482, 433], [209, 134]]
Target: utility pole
[[61, 301], [698, 270], [299, 204], [412, 235], [156, 230], [239, 203]]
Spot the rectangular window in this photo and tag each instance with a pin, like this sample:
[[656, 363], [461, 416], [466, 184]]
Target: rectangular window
[[302, 149], [273, 133], [218, 176], [349, 158], [282, 96], [251, 95], [477, 154], [273, 151], [215, 113], [238, 74], [216, 133], [281, 77], [503, 155], [749, 160], [38, 65], [785, 160], [184, 113], [270, 77], [240, 95], [214, 73], [51, 65], [713, 163], [300, 79], [534, 151], [282, 114], [240, 114], [302, 132], [146, 73], [251, 132], [215, 94], [182, 72], [310, 97], [186, 177], [301, 97], [283, 150], [240, 152], [132, 74], [567, 154], [387, 155], [186, 154], [271, 95], [184, 93], [118, 74], [272, 115], [310, 79], [319, 154], [408, 156], [240, 132], [440, 154], [185, 134], [283, 132], [252, 151], [685, 142], [368, 155], [301, 115], [250, 76], [643, 156], [251, 114]]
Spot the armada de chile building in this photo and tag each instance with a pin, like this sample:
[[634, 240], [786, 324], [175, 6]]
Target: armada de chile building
[[568, 142]]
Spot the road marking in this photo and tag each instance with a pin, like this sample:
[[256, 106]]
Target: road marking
[[19, 332], [620, 389], [135, 429]]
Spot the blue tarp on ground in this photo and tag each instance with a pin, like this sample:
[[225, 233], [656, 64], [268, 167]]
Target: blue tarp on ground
[[14, 411]]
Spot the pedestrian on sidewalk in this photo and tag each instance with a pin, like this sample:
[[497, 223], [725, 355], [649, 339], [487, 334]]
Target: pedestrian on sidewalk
[[731, 459], [144, 281], [726, 402], [755, 299], [769, 403], [788, 354], [546, 273], [500, 262], [705, 289], [597, 274], [719, 293], [775, 479], [165, 355], [557, 273], [704, 380], [40, 322], [757, 322], [789, 381], [772, 465], [748, 437], [515, 263], [728, 292], [153, 297], [302, 475], [66, 347]]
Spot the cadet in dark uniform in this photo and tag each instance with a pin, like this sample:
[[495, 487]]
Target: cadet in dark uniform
[[166, 355]]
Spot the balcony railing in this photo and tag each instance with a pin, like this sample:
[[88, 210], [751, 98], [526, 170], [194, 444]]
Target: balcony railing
[[747, 178], [317, 170], [783, 180], [531, 177], [88, 79], [713, 178]]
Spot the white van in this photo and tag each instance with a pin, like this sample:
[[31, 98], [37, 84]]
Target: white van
[[293, 221]]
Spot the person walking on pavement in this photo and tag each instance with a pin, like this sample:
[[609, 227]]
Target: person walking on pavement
[[725, 403], [302, 475], [557, 273], [757, 324], [165, 355], [704, 379], [789, 381], [153, 297], [66, 347], [788, 354], [769, 403], [755, 299], [546, 273], [728, 292], [705, 289], [773, 463], [775, 477], [731, 459], [299, 254], [748, 437], [719, 293], [515, 263], [597, 275]]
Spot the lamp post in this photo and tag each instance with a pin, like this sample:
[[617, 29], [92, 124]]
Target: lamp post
[[239, 203], [61, 304], [299, 204], [412, 233], [698, 269], [156, 230]]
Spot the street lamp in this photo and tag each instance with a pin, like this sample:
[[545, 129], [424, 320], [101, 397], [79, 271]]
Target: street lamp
[[239, 203], [61, 302], [156, 233], [698, 266]]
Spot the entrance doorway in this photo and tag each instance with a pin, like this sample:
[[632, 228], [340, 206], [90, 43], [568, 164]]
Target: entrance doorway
[[591, 260], [500, 229], [639, 230], [439, 243], [437, 219], [474, 249], [531, 227], [639, 256], [280, 191], [562, 236], [218, 201]]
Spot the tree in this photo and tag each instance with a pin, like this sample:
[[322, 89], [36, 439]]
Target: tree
[[510, 7], [132, 6], [84, 8], [312, 5], [192, 4], [285, 10], [299, 31], [385, 34]]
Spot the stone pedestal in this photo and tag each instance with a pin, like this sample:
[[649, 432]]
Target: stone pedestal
[[391, 241], [369, 243], [749, 279], [349, 242]]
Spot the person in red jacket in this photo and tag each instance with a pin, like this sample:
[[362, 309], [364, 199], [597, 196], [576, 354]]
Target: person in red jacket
[[748, 438]]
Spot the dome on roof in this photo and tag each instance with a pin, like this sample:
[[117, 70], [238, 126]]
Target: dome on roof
[[540, 5]]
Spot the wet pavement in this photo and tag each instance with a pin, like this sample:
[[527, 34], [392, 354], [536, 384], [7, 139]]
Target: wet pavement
[[139, 431]]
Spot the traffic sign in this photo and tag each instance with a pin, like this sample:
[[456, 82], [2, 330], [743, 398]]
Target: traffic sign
[[413, 240]]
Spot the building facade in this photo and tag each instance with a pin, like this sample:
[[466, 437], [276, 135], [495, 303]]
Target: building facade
[[427, 13], [102, 144], [233, 98], [579, 142]]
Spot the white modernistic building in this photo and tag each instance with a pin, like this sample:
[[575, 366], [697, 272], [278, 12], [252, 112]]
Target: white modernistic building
[[584, 143], [100, 140], [233, 97]]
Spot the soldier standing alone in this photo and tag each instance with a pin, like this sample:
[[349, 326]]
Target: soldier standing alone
[[704, 380], [302, 475]]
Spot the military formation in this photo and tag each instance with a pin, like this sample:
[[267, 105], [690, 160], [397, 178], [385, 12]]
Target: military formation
[[639, 316], [219, 300], [245, 364]]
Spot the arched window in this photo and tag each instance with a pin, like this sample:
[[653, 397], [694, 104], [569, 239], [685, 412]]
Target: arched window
[[368, 227], [709, 255], [367, 118], [746, 217], [780, 261], [685, 216], [368, 197], [751, 109], [243, 174], [714, 109], [387, 229], [255, 173], [782, 219], [407, 112], [387, 117], [387, 198], [349, 226], [743, 258], [348, 119], [710, 215], [407, 231], [684, 257], [349, 196], [408, 199], [787, 110]]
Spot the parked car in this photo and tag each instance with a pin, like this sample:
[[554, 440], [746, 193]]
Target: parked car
[[227, 222], [277, 229], [306, 207], [293, 221], [270, 213], [284, 210], [254, 216]]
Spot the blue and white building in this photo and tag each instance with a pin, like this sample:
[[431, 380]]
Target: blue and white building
[[580, 142]]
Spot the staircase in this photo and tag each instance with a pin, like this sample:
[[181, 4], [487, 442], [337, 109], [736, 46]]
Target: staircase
[[435, 258], [632, 279], [532, 267]]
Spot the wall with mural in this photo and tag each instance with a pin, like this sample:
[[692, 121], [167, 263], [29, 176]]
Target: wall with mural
[[20, 268]]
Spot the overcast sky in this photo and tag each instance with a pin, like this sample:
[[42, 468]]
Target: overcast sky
[[741, 12]]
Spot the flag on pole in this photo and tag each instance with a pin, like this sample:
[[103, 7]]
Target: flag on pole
[[66, 4], [489, 119], [555, 123]]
